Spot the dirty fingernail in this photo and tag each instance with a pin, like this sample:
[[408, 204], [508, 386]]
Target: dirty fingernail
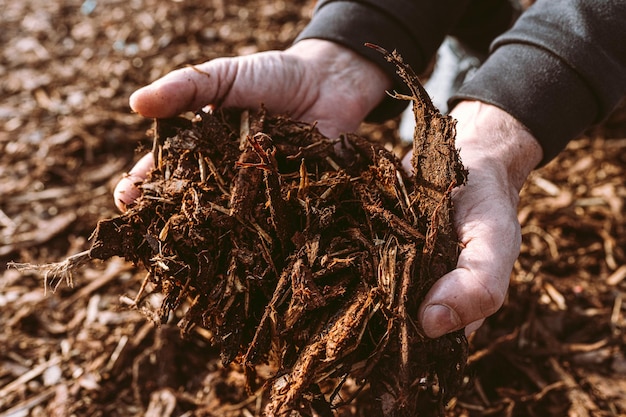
[[439, 319]]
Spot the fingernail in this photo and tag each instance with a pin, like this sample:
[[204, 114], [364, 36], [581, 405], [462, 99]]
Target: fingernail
[[439, 319], [472, 327]]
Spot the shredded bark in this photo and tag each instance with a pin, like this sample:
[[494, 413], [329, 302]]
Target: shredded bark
[[555, 348], [300, 258]]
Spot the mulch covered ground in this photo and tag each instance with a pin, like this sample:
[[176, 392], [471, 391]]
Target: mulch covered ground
[[66, 134]]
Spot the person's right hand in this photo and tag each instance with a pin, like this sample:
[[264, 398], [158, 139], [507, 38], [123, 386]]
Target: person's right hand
[[313, 81]]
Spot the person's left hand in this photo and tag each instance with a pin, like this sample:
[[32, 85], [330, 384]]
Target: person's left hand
[[499, 153]]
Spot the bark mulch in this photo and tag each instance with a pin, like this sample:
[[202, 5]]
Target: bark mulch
[[557, 347]]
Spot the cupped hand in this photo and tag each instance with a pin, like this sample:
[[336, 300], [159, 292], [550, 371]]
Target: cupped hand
[[313, 81], [499, 153]]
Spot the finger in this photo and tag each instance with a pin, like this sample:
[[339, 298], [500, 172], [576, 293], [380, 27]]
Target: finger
[[477, 287], [244, 82], [472, 327], [407, 163], [127, 190], [185, 89]]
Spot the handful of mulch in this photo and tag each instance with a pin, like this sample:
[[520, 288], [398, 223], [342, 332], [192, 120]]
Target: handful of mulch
[[295, 255]]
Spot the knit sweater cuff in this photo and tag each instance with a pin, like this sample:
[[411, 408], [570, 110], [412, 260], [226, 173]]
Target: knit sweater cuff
[[538, 89]]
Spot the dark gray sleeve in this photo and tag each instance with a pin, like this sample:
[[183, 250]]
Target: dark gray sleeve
[[413, 28], [560, 69]]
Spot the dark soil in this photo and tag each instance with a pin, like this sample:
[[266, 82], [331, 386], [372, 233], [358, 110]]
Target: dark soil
[[556, 348]]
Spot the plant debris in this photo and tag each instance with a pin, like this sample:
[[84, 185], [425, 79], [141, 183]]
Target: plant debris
[[557, 347], [308, 254]]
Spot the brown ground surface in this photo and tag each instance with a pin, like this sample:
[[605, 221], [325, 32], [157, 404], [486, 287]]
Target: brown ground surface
[[556, 348]]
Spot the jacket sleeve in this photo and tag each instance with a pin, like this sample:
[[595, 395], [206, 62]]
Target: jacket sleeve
[[413, 28], [560, 69]]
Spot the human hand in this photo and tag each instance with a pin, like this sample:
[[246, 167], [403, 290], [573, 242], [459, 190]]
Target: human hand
[[313, 81], [499, 153]]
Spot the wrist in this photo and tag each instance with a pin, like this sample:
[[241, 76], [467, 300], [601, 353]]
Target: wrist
[[492, 142]]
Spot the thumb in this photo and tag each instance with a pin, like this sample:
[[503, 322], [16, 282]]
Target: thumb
[[477, 287]]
